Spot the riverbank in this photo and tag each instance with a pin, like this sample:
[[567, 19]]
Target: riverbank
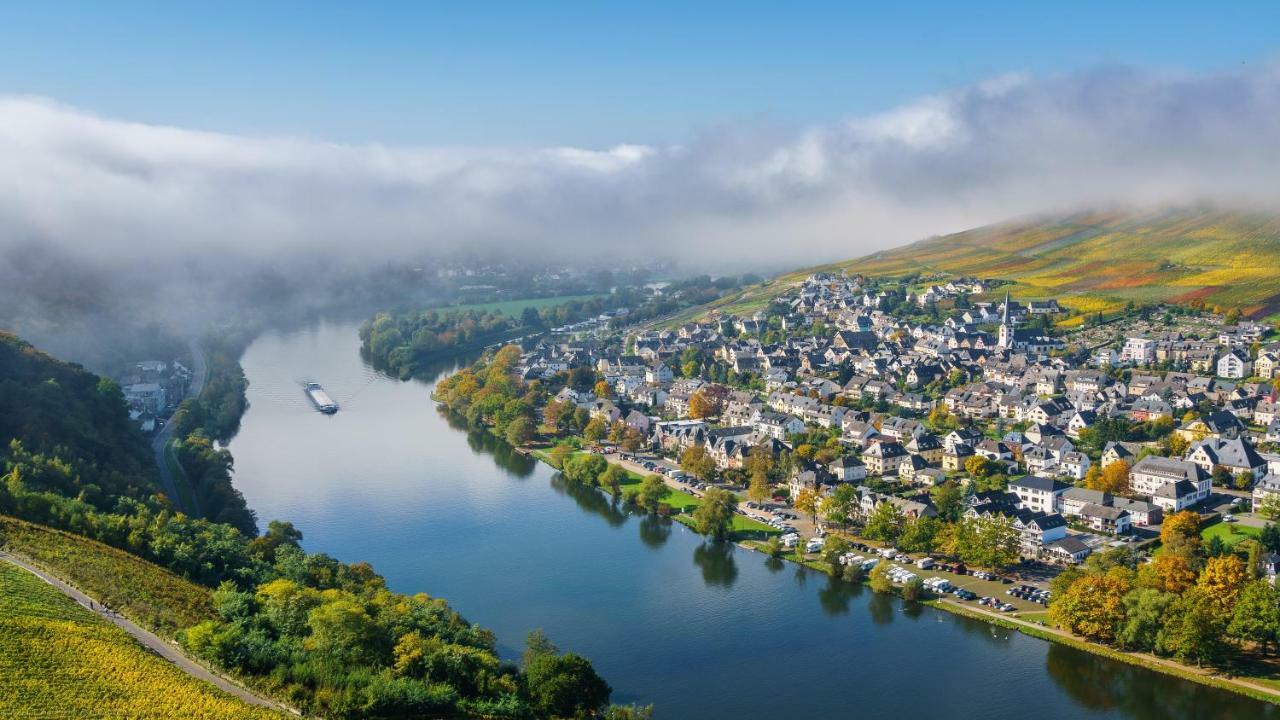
[[1255, 688]]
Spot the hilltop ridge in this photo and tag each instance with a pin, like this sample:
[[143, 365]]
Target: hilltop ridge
[[1093, 261]]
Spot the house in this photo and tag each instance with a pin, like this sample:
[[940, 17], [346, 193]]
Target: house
[[1232, 365], [1038, 494], [1218, 424], [605, 410], [660, 374], [1139, 351], [927, 446], [1177, 496], [883, 458], [1155, 476], [776, 425], [1116, 451], [1268, 486], [1236, 455], [1105, 519], [1074, 465], [848, 469], [1075, 499], [1039, 529], [1079, 421], [1068, 550], [954, 458], [638, 420], [1141, 512]]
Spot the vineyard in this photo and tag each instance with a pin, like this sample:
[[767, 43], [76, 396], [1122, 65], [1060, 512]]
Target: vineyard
[[143, 592], [58, 660], [1092, 262]]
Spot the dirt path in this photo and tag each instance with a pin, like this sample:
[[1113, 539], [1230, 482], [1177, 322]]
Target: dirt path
[[148, 639], [160, 443]]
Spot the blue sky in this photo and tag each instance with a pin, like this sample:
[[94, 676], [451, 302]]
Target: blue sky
[[587, 74]]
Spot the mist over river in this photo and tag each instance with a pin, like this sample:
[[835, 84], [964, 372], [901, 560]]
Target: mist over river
[[701, 630]]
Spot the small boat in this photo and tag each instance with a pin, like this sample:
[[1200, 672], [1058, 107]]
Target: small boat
[[321, 399]]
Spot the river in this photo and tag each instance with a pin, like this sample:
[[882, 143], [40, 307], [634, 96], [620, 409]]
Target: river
[[700, 630]]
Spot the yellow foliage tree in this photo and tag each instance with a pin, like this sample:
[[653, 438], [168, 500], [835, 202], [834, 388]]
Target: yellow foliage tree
[[1092, 606], [1168, 573], [1223, 578], [1113, 479], [806, 501], [1180, 533]]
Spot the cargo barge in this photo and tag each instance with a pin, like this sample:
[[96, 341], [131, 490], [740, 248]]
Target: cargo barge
[[321, 399]]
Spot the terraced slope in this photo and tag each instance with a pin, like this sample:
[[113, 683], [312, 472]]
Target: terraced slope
[[58, 660], [1092, 262]]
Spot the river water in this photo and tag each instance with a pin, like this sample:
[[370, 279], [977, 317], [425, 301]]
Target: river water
[[700, 630]]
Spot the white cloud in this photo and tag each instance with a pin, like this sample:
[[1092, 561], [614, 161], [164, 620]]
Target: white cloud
[[106, 189]]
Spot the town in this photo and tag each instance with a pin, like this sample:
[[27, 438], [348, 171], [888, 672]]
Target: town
[[935, 424]]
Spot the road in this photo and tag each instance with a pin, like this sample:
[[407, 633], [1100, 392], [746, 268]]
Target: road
[[148, 639], [160, 443]]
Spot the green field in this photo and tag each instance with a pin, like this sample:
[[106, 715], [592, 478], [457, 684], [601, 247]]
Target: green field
[[58, 660], [145, 593], [1230, 533], [1092, 262]]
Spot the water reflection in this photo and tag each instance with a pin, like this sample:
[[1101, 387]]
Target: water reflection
[[654, 530], [1103, 686], [912, 610], [715, 559], [880, 606], [590, 500], [775, 565], [483, 442], [836, 595]]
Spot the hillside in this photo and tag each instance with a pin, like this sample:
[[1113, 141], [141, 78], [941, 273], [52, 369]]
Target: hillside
[[74, 426], [1092, 261], [60, 660]]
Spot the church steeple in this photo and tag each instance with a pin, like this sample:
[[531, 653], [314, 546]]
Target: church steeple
[[1006, 330]]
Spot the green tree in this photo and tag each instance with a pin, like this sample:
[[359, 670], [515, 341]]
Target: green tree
[[697, 462], [611, 480], [948, 499], [1194, 628], [879, 579], [714, 516], [913, 589], [758, 488], [595, 429], [1270, 507], [1256, 617], [559, 454], [652, 491], [1144, 617], [834, 546], [885, 523], [919, 533], [564, 686], [520, 431]]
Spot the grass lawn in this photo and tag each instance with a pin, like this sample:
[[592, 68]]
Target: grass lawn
[[1230, 533]]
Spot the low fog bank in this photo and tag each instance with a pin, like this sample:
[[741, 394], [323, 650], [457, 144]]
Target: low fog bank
[[103, 220]]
